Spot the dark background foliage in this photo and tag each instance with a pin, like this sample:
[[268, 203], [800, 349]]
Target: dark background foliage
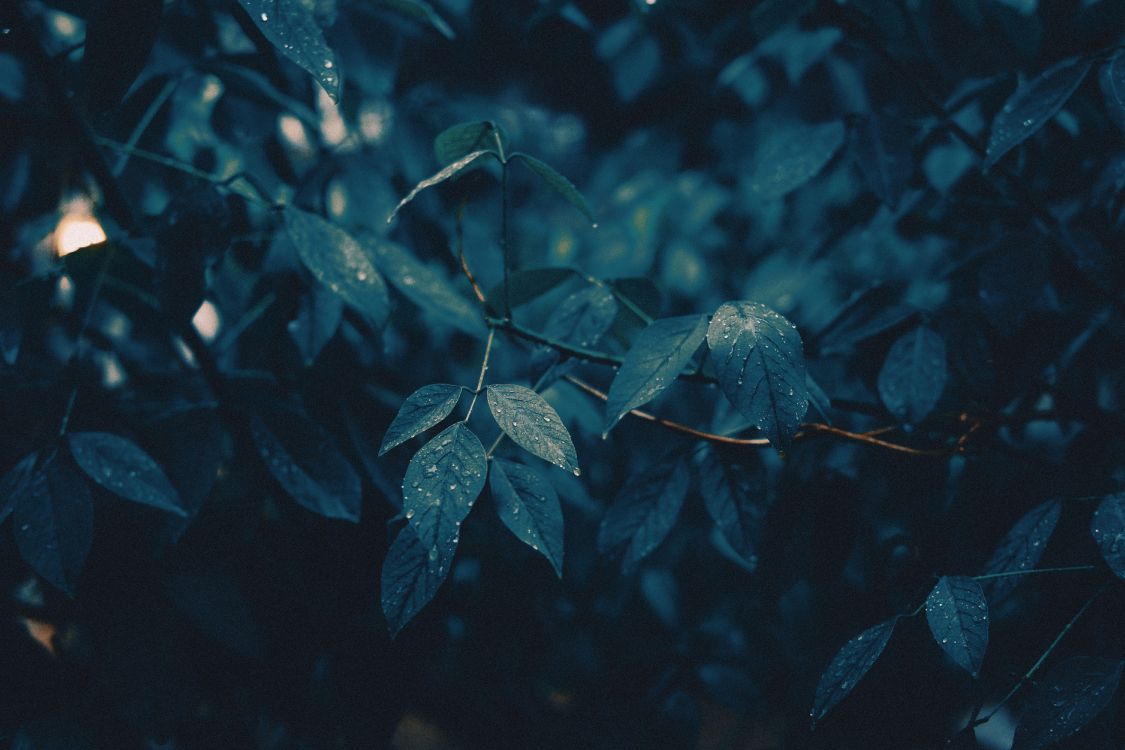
[[195, 382]]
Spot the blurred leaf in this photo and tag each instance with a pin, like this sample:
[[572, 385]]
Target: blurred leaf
[[119, 37], [1021, 548], [913, 375], [292, 28], [882, 150], [735, 496], [427, 288], [421, 12], [410, 578], [792, 155], [799, 50], [461, 165], [423, 409], [532, 424], [848, 667], [1108, 530], [124, 469], [54, 524], [644, 511], [317, 319], [958, 616], [529, 506], [16, 484], [1068, 698], [460, 140], [525, 286], [561, 185], [1111, 80], [632, 55]]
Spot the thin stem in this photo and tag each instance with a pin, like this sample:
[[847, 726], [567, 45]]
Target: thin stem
[[505, 251], [460, 233], [483, 370], [1065, 569], [142, 125]]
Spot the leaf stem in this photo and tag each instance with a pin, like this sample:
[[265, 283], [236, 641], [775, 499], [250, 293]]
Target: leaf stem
[[504, 249], [483, 370], [149, 115], [1065, 569]]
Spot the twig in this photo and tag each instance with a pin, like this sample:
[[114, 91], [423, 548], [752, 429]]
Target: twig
[[483, 370]]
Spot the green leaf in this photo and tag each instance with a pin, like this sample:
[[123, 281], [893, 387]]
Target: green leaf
[[124, 469], [562, 186], [525, 286], [465, 138], [659, 354], [441, 484], [793, 155], [461, 165], [1032, 106], [529, 506], [1111, 80], [957, 613], [913, 375], [760, 363], [532, 424], [421, 410], [1021, 548], [1068, 698], [582, 318], [410, 579], [848, 667], [53, 524], [423, 13], [1108, 530], [337, 260], [735, 496], [644, 511], [291, 27], [427, 288]]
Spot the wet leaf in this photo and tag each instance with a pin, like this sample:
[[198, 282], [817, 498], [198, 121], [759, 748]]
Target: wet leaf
[[423, 409], [54, 525], [913, 375], [409, 580], [532, 424], [1068, 698], [644, 512], [427, 288], [316, 322], [291, 27], [1021, 548], [734, 491], [583, 317], [452, 170], [1108, 530], [124, 469], [793, 155], [560, 184], [849, 666], [529, 506], [957, 613]]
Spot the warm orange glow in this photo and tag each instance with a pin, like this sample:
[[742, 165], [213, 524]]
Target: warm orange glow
[[77, 231]]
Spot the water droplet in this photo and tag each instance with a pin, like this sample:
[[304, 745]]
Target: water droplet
[[265, 17], [328, 63], [410, 514], [433, 554]]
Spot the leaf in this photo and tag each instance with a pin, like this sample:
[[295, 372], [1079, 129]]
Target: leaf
[[124, 469], [305, 461], [1108, 530], [644, 512], [1068, 698], [422, 12], [583, 317], [465, 138], [54, 525], [793, 155], [1032, 106], [339, 262], [735, 496], [958, 616], [1111, 80], [409, 580], [851, 663], [561, 185], [1021, 548], [421, 410], [317, 319], [760, 364], [291, 27], [441, 484], [427, 288], [16, 484], [525, 286], [532, 424], [529, 506], [659, 354], [448, 173], [882, 150], [913, 375], [109, 65]]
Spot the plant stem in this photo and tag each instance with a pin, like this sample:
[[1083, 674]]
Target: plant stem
[[1065, 569], [142, 125], [504, 249], [483, 370]]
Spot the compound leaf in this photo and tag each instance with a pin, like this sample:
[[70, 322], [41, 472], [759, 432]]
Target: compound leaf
[[529, 506], [958, 616], [124, 469], [532, 424], [421, 410]]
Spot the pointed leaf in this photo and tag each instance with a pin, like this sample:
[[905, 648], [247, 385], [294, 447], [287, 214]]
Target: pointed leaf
[[532, 424], [1108, 530], [422, 12], [583, 317], [644, 512], [1111, 79], [124, 469], [317, 319], [791, 156], [1032, 106], [427, 288], [735, 496], [529, 505], [409, 580], [441, 484], [16, 484], [1021, 548], [659, 354], [848, 667], [461, 165], [913, 375], [760, 363], [561, 185], [421, 410], [339, 262], [54, 525], [1068, 698], [958, 616], [465, 138], [882, 150], [291, 27]]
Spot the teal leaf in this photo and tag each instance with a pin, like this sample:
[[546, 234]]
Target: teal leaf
[[317, 319], [532, 424], [792, 155], [659, 354], [734, 492], [421, 410], [913, 375], [443, 480], [1032, 106], [1021, 548], [1108, 530], [410, 579], [525, 286], [760, 363], [465, 138], [427, 288], [291, 27], [583, 317], [124, 469], [882, 150], [529, 506], [854, 660], [644, 512], [1068, 698], [337, 260], [54, 525], [957, 613], [422, 12], [1111, 80], [16, 484], [561, 185], [449, 172]]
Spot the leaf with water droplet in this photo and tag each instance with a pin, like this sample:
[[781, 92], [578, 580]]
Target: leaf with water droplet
[[792, 155], [532, 424], [848, 667], [291, 27], [529, 506], [657, 356], [560, 184], [1108, 530], [760, 363], [1032, 106], [119, 465], [421, 410], [465, 163], [733, 486], [410, 578], [957, 613], [1068, 698], [1021, 548], [644, 511], [54, 524], [913, 375], [465, 138], [583, 317]]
